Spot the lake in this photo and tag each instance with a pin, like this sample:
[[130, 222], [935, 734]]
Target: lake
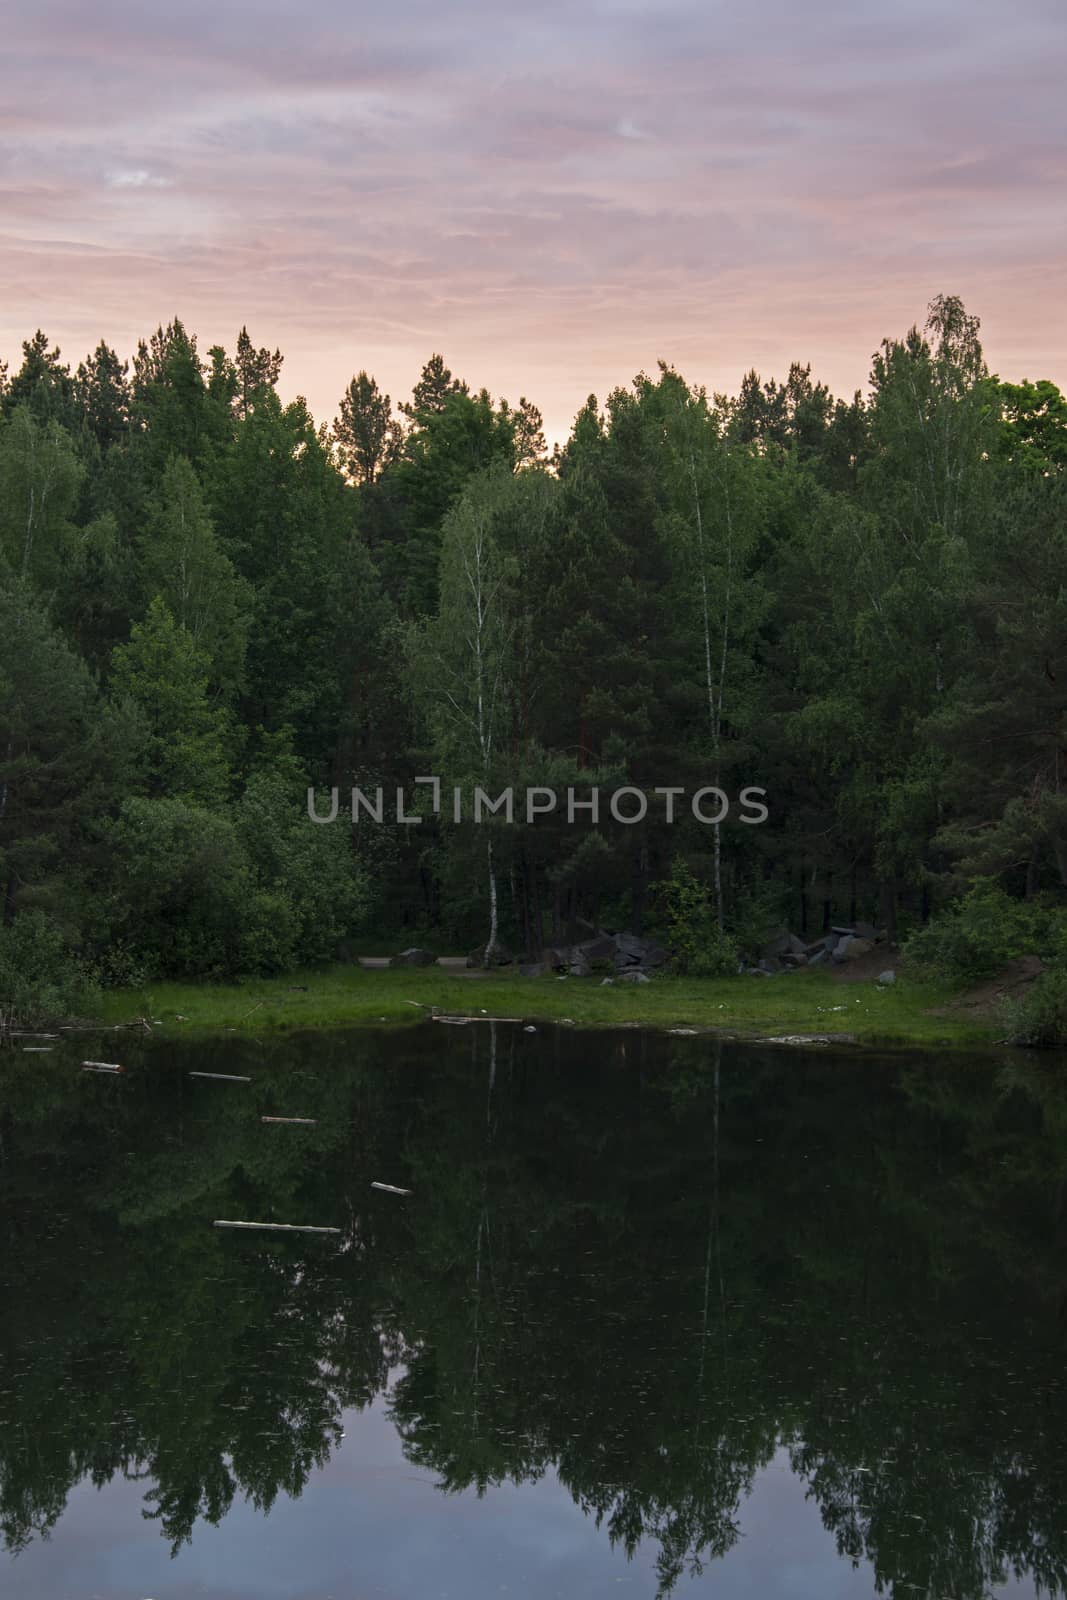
[[659, 1316]]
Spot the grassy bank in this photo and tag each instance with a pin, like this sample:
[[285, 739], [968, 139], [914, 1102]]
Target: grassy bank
[[798, 1003]]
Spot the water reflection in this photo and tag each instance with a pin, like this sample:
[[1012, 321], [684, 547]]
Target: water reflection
[[636, 1267]]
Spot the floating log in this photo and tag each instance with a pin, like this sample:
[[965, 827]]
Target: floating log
[[277, 1227], [26, 1033], [390, 1188], [221, 1077], [438, 1018], [304, 1122], [37, 1049], [101, 1066]]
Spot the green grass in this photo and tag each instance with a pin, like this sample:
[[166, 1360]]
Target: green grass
[[797, 1003]]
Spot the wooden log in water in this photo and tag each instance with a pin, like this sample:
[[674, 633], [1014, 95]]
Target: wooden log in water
[[440, 1018], [303, 1122], [101, 1066], [390, 1188], [222, 1077], [277, 1227], [37, 1049]]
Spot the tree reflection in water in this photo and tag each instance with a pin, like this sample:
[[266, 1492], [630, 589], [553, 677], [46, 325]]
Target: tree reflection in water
[[643, 1263]]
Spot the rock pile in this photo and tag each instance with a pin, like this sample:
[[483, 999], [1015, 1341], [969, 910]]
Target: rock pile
[[627, 953], [844, 942]]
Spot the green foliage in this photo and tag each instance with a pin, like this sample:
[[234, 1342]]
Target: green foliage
[[313, 892], [1039, 1019], [699, 948], [982, 931], [858, 605], [164, 675], [40, 976], [39, 481], [757, 912], [183, 893]]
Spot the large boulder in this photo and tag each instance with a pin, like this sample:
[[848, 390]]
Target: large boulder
[[634, 975], [413, 958], [851, 949], [783, 943], [633, 951]]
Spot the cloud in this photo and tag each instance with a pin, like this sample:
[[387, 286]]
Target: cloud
[[555, 197], [135, 178]]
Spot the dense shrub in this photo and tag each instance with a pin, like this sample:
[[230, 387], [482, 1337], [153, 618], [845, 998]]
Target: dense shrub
[[978, 934], [183, 889], [313, 891], [699, 947], [40, 977], [1040, 1018]]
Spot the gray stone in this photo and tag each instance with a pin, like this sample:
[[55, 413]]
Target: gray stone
[[606, 983], [634, 975], [532, 969], [819, 958], [887, 977], [413, 958], [633, 951], [851, 949]]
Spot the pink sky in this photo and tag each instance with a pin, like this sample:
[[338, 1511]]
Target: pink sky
[[554, 197]]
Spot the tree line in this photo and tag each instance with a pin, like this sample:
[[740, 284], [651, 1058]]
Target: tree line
[[210, 603]]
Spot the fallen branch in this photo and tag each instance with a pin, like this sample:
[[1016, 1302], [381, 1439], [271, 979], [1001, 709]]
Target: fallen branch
[[390, 1188], [222, 1077], [278, 1227], [439, 1018], [304, 1122]]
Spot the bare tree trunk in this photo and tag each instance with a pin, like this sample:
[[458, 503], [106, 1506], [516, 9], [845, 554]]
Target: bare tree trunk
[[492, 944]]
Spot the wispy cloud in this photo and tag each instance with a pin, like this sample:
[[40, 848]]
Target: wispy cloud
[[135, 178], [555, 198]]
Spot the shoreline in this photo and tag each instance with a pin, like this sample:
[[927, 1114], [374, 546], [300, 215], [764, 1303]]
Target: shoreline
[[802, 1007]]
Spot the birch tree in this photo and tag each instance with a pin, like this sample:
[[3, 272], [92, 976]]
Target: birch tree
[[461, 659]]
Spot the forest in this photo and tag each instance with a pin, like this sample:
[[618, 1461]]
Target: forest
[[211, 602]]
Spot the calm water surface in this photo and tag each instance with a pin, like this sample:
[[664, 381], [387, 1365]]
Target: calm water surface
[[658, 1317]]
